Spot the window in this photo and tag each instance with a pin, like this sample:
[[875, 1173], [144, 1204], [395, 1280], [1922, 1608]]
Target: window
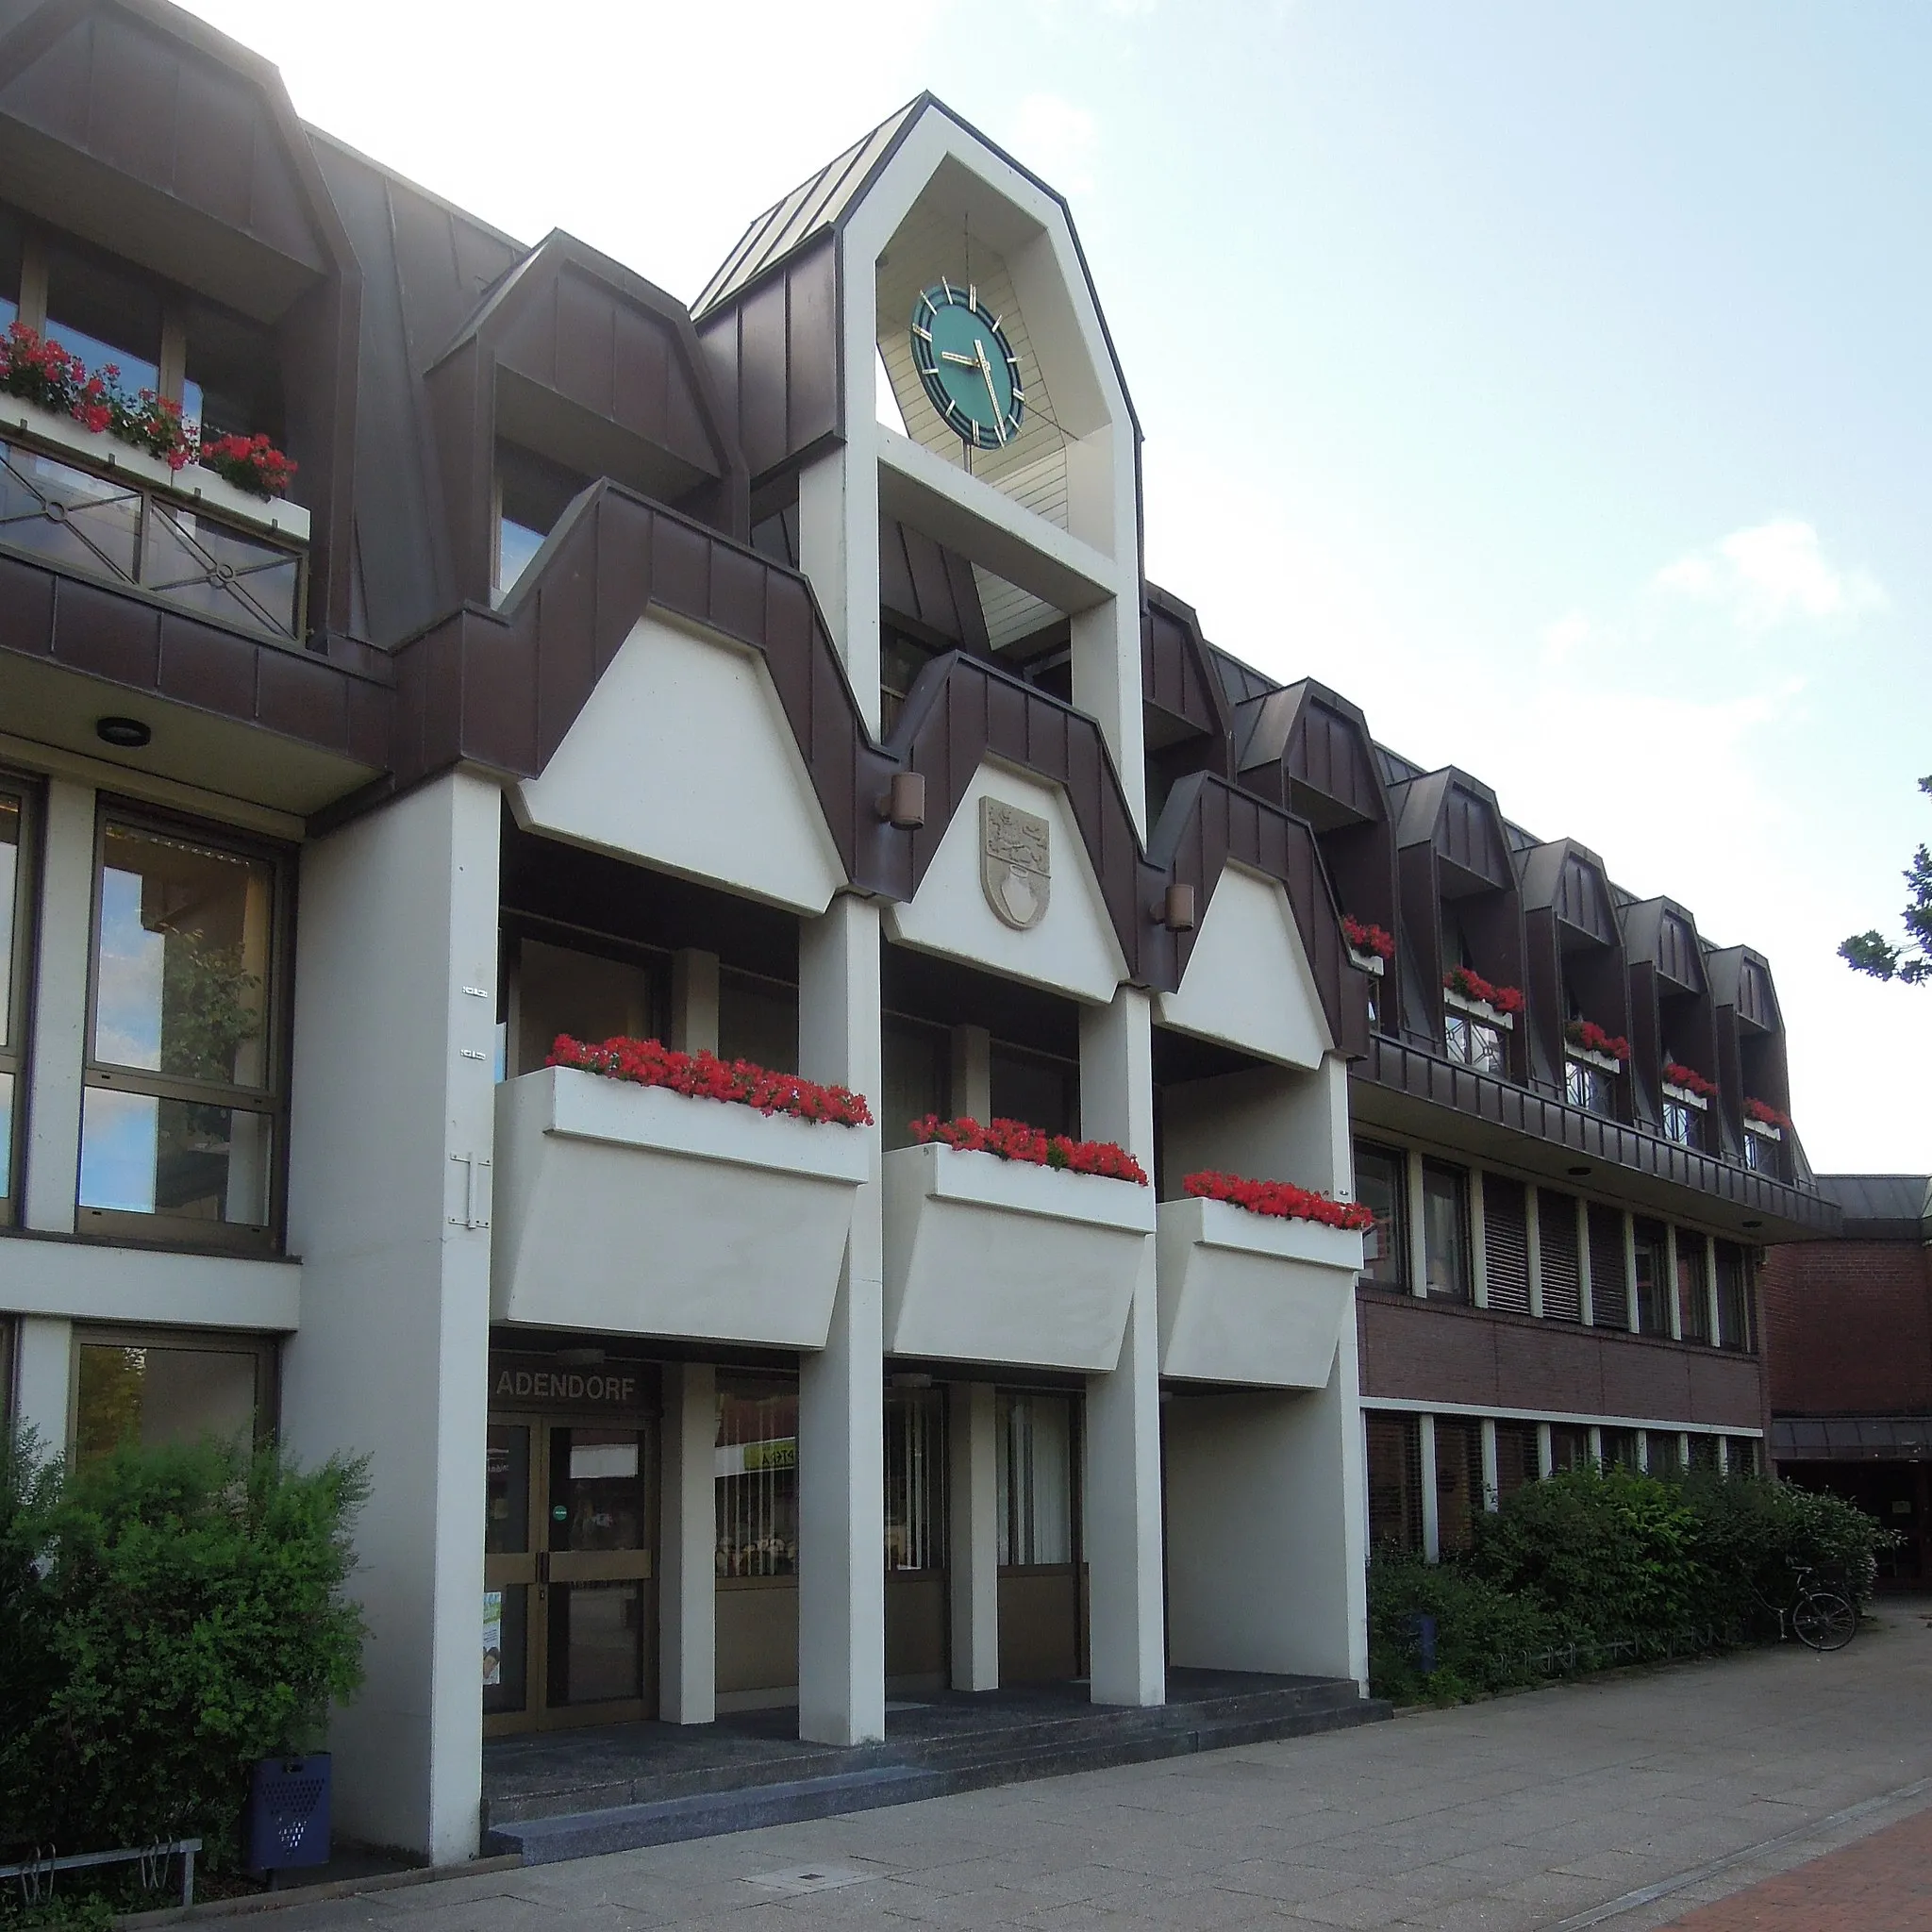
[[1653, 1278], [1609, 1289], [1569, 1447], [1706, 1454], [1458, 1482], [918, 1070], [1506, 1243], [915, 1479], [1394, 1481], [532, 494], [1590, 1088], [1033, 1480], [1381, 1184], [1517, 1461], [182, 1115], [757, 1020], [1619, 1448], [1445, 1232], [1555, 1234], [1742, 1454], [105, 315], [1473, 1042], [1733, 1298], [1762, 1154], [1694, 1288], [1035, 1088], [1663, 1454], [233, 384], [1683, 1124], [9, 270], [13, 954], [901, 661], [153, 1390], [756, 1466]]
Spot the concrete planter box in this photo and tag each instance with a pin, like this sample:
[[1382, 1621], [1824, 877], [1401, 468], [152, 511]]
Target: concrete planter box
[[1689, 1098], [1763, 1129], [1369, 962], [1251, 1298], [639, 1211], [196, 488], [1480, 1009], [1607, 1061], [991, 1260]]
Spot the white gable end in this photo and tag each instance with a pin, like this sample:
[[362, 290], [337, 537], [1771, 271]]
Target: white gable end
[[1248, 983], [1073, 948], [683, 757]]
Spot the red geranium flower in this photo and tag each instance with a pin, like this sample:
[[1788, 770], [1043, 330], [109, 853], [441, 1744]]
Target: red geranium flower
[[1282, 1200]]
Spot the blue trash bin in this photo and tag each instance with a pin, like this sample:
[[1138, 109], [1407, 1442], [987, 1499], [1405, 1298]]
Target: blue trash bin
[[287, 1812]]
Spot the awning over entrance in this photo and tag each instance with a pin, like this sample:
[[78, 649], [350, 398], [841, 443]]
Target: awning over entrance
[[1851, 1439]]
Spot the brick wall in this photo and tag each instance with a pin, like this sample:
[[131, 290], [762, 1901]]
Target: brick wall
[[1848, 1327], [1421, 1351]]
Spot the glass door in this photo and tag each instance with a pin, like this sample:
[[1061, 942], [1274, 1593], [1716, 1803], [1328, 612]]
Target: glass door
[[570, 1596], [1036, 1452]]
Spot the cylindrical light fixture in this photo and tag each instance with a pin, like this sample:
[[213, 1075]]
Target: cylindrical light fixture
[[126, 734], [1174, 908], [901, 803]]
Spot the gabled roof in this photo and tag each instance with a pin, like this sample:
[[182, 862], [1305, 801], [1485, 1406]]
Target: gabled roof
[[1644, 924], [1731, 971], [1881, 1207], [1544, 868]]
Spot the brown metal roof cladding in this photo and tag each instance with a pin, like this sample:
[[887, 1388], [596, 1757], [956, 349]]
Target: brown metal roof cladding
[[1881, 1207], [1177, 674], [1851, 1439]]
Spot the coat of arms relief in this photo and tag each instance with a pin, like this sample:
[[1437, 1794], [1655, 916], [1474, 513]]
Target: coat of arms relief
[[1013, 865]]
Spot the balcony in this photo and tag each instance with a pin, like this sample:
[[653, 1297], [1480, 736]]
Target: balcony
[[634, 1210], [89, 504], [991, 1260], [1249, 1298]]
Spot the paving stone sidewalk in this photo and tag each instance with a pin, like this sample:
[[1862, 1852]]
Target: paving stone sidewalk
[[1624, 1803]]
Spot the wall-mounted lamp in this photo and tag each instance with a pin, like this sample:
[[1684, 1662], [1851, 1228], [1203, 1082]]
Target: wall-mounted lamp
[[1174, 908], [126, 734], [901, 803]]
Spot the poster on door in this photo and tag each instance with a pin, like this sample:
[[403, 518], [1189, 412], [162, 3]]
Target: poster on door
[[492, 1639]]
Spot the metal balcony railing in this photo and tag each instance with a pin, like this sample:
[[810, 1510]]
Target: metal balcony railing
[[109, 527]]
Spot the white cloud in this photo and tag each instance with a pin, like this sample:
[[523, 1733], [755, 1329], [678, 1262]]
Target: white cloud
[[1057, 140], [1771, 574]]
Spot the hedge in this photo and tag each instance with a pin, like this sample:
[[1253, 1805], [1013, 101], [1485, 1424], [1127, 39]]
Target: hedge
[[1597, 1564]]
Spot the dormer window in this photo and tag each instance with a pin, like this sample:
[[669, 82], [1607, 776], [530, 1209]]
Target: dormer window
[[532, 494], [1475, 1016], [1688, 1095]]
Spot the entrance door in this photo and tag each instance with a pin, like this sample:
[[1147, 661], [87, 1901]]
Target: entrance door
[[1040, 1575], [570, 1600], [916, 1606]]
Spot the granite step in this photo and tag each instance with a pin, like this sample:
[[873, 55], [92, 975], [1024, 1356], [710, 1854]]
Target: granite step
[[826, 1783]]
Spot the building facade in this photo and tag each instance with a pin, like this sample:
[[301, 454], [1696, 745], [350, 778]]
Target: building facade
[[1849, 1333], [774, 677]]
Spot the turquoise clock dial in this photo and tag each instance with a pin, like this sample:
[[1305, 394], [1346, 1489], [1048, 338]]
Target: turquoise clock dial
[[967, 365]]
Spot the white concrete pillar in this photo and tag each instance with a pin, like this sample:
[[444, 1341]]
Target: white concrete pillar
[[1432, 1502], [974, 1532], [59, 1023], [1586, 1287], [841, 1477], [1631, 1321], [43, 1377], [688, 1583], [1532, 1230], [1123, 1435], [1418, 1239], [1478, 1242], [973, 1073], [389, 1206], [1105, 650], [1545, 1453], [1595, 1439], [1670, 1277], [1492, 1488], [1711, 1286], [693, 1001], [839, 550]]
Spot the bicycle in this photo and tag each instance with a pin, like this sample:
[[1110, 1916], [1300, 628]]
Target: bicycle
[[1822, 1618]]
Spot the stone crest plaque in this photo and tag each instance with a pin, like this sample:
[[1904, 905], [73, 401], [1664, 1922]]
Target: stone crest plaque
[[1013, 863]]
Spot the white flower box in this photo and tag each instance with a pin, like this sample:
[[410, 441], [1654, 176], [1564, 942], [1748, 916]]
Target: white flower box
[[636, 1210], [1480, 1008], [195, 487], [1370, 962], [1689, 1098], [1607, 1061], [1252, 1298], [1763, 1129], [992, 1260]]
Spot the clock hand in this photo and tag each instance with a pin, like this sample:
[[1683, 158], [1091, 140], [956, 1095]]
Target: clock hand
[[993, 396], [953, 356]]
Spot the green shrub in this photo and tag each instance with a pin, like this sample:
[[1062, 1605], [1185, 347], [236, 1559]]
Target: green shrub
[[1603, 1553], [1594, 1559], [169, 1616], [1486, 1639]]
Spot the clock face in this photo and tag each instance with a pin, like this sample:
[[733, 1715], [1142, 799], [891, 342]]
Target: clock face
[[969, 371]]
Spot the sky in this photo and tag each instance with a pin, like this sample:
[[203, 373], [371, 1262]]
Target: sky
[[1550, 380]]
